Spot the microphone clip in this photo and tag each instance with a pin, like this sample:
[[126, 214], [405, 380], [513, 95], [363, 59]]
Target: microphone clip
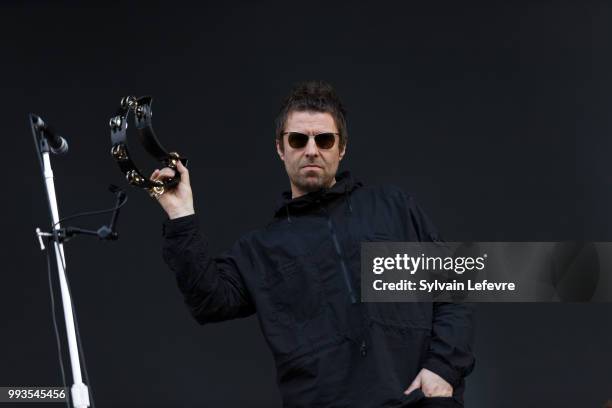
[[105, 232]]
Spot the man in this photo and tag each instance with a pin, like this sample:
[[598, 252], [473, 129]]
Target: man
[[301, 274]]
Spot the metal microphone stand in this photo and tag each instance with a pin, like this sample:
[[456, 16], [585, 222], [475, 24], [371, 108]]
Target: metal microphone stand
[[79, 390]]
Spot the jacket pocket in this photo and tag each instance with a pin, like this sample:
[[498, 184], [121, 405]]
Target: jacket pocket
[[393, 314], [294, 291], [291, 299]]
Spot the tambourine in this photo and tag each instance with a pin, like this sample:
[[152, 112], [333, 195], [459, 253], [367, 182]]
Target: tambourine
[[141, 107]]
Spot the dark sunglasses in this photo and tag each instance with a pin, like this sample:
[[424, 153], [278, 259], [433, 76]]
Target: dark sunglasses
[[323, 140]]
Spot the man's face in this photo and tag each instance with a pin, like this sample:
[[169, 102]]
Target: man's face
[[310, 168]]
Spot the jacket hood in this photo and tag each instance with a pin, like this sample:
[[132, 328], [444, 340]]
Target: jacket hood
[[344, 185]]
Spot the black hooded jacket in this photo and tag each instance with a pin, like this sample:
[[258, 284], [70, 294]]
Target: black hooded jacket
[[301, 274]]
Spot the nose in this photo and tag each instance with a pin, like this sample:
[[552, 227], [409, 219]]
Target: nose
[[311, 149]]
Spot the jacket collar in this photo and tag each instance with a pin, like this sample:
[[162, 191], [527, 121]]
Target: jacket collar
[[344, 185]]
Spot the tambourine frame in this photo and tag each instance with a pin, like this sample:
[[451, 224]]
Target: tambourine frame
[[141, 108]]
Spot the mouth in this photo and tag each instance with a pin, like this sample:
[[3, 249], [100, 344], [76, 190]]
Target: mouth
[[311, 167]]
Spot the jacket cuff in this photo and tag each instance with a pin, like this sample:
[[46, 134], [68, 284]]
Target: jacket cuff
[[177, 226], [449, 374]]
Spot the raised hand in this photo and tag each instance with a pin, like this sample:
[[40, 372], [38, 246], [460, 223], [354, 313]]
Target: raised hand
[[177, 202]]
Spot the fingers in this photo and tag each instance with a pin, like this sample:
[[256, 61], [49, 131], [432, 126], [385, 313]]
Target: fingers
[[415, 384], [167, 173], [154, 175], [163, 174], [437, 391], [183, 171], [435, 386]]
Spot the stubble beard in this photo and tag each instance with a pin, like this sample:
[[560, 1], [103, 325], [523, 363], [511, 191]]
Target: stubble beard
[[310, 182]]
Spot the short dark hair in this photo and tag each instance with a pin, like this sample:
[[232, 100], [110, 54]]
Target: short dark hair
[[316, 96]]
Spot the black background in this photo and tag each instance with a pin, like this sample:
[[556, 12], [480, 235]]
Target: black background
[[495, 116]]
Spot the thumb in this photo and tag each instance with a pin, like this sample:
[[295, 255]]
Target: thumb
[[183, 171], [415, 384]]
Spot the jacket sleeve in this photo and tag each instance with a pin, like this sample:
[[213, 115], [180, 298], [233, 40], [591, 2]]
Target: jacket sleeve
[[450, 351], [213, 287]]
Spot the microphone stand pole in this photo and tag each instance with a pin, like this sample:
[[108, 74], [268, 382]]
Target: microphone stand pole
[[79, 390]]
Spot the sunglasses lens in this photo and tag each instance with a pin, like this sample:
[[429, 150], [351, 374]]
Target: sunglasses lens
[[325, 140], [297, 140]]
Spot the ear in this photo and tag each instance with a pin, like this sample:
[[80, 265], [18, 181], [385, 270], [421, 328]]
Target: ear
[[280, 150], [342, 152]]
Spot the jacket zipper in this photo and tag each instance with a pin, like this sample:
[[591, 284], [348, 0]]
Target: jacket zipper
[[345, 272]]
